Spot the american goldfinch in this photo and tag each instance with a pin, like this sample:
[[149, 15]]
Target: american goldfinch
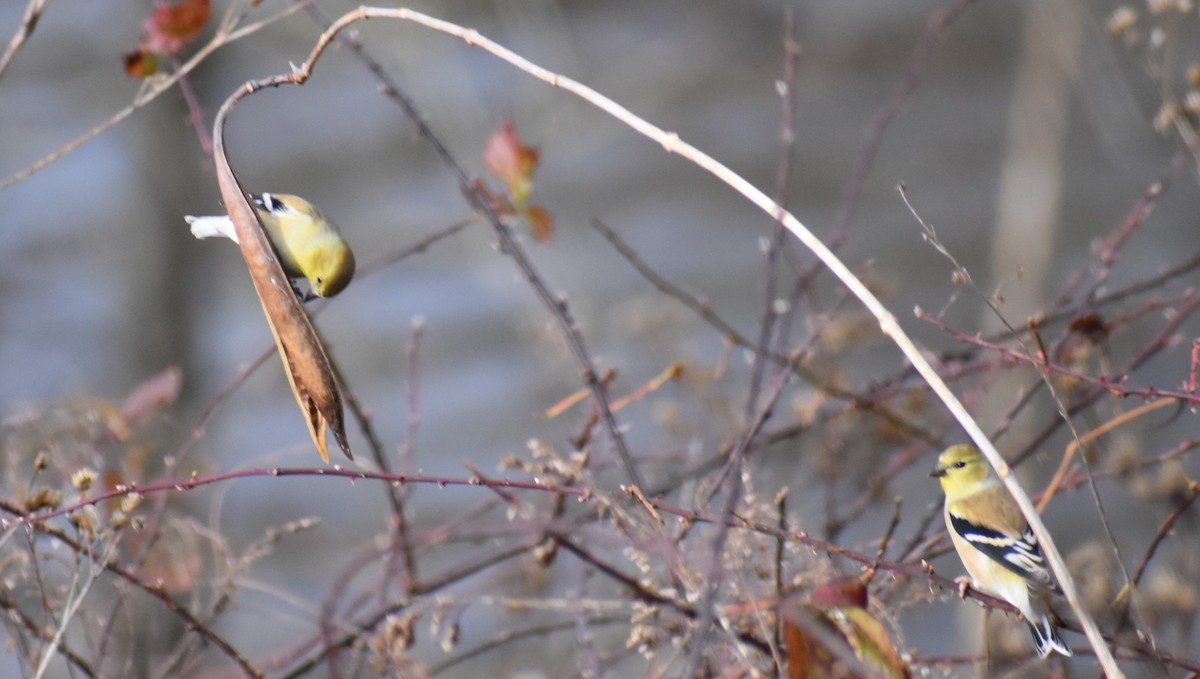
[[994, 541], [308, 245]]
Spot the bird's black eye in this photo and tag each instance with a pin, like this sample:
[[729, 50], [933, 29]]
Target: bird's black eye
[[269, 203], [960, 464]]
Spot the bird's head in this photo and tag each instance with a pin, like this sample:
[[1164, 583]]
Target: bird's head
[[332, 270], [960, 467]]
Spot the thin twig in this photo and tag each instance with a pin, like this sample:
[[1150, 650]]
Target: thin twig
[[33, 13], [1076, 445], [540, 632], [16, 615], [479, 201], [869, 403], [888, 324], [76, 593], [733, 490], [783, 182], [1042, 360], [190, 619], [323, 653], [918, 65], [225, 35]]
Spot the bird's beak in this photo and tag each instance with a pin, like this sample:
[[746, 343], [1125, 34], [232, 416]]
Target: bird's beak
[[938, 473]]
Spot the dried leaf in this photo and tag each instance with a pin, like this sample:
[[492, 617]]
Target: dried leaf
[[870, 641], [541, 224], [805, 634], [840, 607], [799, 651], [152, 395], [141, 64], [839, 593], [305, 361]]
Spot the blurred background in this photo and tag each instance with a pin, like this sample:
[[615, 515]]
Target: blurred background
[[1029, 136]]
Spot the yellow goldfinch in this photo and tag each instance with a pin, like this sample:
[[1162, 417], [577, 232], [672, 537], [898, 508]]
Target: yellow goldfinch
[[994, 541], [308, 245]]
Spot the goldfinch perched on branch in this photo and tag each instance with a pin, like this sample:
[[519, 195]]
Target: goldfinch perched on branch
[[994, 541], [308, 245]]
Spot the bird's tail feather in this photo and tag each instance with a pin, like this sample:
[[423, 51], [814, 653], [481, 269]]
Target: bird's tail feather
[[212, 227], [1046, 639]]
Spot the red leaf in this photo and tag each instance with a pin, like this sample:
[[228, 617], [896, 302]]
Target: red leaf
[[173, 27], [512, 162]]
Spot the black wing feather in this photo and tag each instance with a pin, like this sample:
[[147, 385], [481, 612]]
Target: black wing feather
[[1021, 555]]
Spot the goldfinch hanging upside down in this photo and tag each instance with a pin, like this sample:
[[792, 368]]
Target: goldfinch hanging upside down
[[308, 245], [994, 541]]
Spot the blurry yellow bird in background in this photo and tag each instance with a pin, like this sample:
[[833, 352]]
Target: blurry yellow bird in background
[[308, 245], [994, 541]]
